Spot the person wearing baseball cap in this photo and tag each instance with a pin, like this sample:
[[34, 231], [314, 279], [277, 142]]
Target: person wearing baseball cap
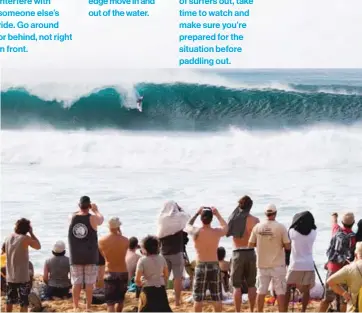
[[271, 240], [334, 257], [56, 273], [114, 248]]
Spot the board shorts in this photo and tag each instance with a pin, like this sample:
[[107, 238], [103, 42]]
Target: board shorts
[[18, 293], [329, 294], [176, 264], [301, 278], [153, 299], [277, 275], [207, 277], [83, 274], [115, 287], [243, 268]]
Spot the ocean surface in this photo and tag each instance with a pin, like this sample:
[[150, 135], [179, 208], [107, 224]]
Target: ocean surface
[[292, 137]]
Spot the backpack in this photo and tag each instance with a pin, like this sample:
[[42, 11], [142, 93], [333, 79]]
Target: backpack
[[340, 249]]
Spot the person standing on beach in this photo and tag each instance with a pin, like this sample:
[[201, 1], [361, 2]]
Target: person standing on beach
[[271, 240], [172, 249], [207, 271], [301, 273], [114, 248], [83, 247], [17, 264], [152, 277], [243, 262], [344, 240]]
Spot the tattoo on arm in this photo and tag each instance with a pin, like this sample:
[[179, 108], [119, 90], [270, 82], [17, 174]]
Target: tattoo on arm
[[192, 220]]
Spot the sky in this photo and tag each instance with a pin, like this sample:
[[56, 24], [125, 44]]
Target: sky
[[280, 34]]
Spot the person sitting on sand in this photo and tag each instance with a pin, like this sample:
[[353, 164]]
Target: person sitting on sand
[[207, 272], [17, 265], [56, 273], [152, 276], [83, 248], [335, 266], [174, 218], [243, 261], [301, 274], [132, 258], [224, 268], [347, 282], [271, 240], [114, 248]]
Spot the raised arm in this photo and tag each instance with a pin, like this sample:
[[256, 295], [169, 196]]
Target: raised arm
[[97, 217], [32, 241], [223, 224], [192, 230]]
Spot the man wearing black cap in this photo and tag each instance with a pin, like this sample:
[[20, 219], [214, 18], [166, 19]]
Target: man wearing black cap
[[83, 247], [207, 271]]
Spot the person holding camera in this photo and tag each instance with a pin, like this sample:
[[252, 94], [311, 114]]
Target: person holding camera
[[207, 271], [83, 248]]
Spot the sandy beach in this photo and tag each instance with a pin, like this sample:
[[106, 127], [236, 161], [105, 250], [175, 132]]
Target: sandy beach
[[131, 305]]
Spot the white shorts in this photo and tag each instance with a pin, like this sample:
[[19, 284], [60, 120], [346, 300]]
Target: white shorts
[[276, 275]]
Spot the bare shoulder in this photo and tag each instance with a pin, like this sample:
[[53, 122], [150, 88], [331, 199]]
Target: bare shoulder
[[253, 220]]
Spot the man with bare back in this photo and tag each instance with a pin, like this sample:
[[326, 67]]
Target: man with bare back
[[207, 271], [243, 262]]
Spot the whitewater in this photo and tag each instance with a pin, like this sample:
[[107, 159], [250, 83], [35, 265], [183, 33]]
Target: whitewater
[[199, 148]]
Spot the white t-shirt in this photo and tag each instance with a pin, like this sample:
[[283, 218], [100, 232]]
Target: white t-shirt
[[301, 258]]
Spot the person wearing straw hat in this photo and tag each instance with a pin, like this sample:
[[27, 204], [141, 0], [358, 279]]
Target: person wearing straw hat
[[56, 273], [114, 248]]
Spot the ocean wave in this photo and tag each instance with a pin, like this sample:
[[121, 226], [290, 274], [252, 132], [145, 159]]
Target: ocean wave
[[184, 106]]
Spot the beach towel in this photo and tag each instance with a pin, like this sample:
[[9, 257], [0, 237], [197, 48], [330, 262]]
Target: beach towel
[[171, 220], [237, 223]]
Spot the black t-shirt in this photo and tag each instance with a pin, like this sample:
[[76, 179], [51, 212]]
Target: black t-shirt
[[172, 244]]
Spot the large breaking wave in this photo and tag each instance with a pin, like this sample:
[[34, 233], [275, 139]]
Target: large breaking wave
[[181, 106]]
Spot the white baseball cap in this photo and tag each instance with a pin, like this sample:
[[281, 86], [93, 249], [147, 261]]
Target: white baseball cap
[[59, 247], [114, 223]]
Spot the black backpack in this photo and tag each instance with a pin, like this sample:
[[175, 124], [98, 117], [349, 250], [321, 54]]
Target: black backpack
[[340, 248]]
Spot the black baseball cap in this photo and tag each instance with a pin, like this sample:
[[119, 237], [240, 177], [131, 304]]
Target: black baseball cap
[[85, 200]]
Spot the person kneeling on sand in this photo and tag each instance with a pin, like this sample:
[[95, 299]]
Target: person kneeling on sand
[[114, 248], [152, 276], [56, 273], [207, 271], [270, 239], [301, 274]]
